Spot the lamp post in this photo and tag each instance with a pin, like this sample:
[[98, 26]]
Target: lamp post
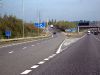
[[1, 5], [23, 17], [39, 21]]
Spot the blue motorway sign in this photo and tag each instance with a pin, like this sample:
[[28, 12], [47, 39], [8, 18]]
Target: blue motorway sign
[[40, 25], [8, 33]]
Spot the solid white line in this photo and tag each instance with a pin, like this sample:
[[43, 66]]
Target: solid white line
[[59, 49], [41, 62], [11, 52], [35, 66], [26, 72], [82, 36]]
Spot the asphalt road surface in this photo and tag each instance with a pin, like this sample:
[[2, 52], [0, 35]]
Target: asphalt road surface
[[17, 58], [80, 58]]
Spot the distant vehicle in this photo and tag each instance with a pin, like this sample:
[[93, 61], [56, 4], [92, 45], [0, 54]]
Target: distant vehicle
[[88, 32], [54, 32], [95, 33]]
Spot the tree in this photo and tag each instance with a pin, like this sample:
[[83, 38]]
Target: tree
[[62, 25]]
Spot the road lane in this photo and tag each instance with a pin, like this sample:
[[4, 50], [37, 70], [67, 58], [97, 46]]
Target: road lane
[[80, 58], [22, 59], [5, 50]]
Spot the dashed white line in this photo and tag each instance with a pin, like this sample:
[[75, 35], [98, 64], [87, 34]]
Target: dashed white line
[[6, 46], [24, 47], [52, 56], [46, 59], [41, 62], [35, 66], [17, 43], [96, 38], [52, 36], [11, 52], [26, 72], [33, 45]]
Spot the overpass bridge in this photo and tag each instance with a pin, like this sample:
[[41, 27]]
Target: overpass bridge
[[97, 28]]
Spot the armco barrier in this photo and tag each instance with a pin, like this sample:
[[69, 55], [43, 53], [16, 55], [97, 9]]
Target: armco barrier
[[16, 39]]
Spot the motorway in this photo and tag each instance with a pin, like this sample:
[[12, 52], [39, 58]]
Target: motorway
[[17, 58], [40, 57], [80, 58]]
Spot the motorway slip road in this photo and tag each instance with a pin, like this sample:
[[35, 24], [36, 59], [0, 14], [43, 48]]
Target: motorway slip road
[[17, 58], [80, 58]]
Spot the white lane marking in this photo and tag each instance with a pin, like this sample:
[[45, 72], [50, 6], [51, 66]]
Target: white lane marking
[[52, 36], [67, 43], [33, 45], [3, 46], [59, 49], [73, 41], [46, 59], [96, 38], [24, 47], [17, 44], [52, 56], [35, 66], [11, 52], [26, 72], [41, 62], [83, 36]]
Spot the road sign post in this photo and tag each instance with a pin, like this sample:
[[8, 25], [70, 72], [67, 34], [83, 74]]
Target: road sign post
[[8, 34]]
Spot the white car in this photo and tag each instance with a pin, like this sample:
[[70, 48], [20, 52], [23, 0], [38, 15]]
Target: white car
[[89, 32]]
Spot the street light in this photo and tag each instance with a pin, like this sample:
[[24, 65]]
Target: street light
[[1, 5], [23, 16]]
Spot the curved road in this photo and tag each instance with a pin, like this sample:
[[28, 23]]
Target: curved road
[[17, 58], [80, 58]]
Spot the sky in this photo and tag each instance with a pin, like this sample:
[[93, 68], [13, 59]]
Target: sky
[[68, 10]]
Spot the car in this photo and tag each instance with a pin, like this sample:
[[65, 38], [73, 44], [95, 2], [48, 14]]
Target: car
[[88, 32], [54, 32], [95, 33]]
